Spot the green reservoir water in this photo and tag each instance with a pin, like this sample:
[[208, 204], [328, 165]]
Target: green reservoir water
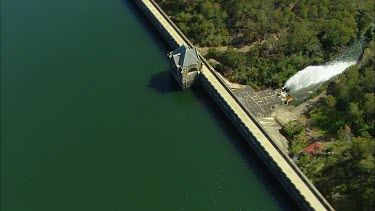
[[92, 120]]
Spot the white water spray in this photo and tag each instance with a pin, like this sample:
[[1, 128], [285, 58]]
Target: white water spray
[[312, 75], [303, 83]]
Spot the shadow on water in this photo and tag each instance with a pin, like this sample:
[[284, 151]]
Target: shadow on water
[[252, 160], [164, 83]]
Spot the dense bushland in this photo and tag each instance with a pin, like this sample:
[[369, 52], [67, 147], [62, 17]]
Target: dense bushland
[[282, 36]]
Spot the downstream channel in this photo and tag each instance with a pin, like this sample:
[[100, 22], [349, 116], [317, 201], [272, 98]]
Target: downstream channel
[[92, 120]]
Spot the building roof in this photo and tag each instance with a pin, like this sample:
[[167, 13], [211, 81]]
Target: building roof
[[314, 148], [185, 56]]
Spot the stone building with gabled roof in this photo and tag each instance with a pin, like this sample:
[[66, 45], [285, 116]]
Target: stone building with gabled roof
[[185, 65]]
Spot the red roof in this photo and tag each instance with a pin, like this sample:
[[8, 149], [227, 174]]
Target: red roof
[[314, 148]]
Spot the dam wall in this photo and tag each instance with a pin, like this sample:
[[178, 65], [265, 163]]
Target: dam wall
[[164, 25], [284, 169]]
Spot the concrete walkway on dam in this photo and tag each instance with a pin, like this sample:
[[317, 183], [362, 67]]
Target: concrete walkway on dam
[[305, 189], [165, 24]]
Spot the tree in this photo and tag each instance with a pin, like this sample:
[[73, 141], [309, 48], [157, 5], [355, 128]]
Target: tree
[[354, 113], [206, 9], [369, 106], [330, 101], [344, 134]]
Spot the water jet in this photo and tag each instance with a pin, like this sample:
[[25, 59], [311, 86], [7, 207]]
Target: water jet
[[301, 85]]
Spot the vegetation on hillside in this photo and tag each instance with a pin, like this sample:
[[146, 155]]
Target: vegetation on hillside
[[283, 36], [345, 171]]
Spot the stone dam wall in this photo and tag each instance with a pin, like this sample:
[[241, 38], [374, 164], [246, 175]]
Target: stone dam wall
[[284, 169]]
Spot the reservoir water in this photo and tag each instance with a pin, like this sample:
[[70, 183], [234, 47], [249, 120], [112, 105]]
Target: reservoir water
[[92, 120]]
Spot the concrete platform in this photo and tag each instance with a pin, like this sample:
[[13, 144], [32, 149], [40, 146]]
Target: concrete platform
[[261, 104]]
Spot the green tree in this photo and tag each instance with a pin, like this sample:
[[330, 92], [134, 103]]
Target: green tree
[[206, 9], [369, 106], [330, 101]]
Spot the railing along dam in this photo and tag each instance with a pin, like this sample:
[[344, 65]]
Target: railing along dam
[[289, 175]]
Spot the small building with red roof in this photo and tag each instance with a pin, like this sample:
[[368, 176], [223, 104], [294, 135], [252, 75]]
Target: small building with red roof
[[314, 149]]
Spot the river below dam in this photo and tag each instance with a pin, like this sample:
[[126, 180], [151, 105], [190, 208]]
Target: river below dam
[[92, 120]]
